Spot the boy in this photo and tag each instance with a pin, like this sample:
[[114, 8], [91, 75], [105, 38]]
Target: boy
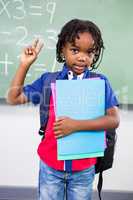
[[79, 46]]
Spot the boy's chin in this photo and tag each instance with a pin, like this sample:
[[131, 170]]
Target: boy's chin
[[78, 72]]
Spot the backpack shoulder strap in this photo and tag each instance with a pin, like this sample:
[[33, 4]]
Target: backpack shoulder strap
[[44, 106], [51, 78], [100, 184]]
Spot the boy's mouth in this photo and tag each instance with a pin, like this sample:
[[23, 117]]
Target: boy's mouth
[[78, 69]]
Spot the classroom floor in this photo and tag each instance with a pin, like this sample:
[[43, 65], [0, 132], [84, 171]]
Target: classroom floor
[[30, 194]]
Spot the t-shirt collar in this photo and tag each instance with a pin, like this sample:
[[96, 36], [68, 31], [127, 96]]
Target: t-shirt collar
[[71, 75], [66, 71]]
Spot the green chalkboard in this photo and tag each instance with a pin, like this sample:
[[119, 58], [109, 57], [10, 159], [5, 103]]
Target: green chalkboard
[[22, 21]]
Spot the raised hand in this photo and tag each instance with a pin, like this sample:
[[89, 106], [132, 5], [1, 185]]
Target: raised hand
[[30, 53], [28, 56]]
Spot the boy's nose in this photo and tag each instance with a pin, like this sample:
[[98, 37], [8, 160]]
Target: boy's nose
[[82, 58]]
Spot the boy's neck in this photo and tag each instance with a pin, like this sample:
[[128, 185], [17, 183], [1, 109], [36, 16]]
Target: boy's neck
[[71, 75]]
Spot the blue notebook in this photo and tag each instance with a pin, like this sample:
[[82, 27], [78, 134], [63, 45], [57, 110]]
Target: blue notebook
[[80, 99]]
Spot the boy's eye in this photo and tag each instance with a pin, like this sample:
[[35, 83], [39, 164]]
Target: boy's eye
[[74, 50], [91, 53]]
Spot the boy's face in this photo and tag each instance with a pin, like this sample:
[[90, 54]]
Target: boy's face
[[79, 55]]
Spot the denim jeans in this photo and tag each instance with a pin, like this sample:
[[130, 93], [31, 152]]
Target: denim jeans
[[60, 185]]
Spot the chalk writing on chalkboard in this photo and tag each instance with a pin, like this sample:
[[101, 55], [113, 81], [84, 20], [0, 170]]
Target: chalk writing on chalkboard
[[21, 22], [22, 9]]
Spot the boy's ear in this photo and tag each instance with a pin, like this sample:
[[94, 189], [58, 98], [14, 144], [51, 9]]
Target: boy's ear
[[62, 55]]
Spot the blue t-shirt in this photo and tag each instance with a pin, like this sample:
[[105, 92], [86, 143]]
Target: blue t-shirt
[[35, 90]]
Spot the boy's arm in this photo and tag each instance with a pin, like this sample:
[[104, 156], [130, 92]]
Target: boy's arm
[[109, 121], [28, 56], [65, 125]]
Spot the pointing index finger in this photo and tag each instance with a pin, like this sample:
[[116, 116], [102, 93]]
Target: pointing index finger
[[37, 45], [34, 43]]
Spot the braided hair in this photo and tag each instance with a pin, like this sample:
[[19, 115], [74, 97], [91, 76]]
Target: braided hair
[[70, 32]]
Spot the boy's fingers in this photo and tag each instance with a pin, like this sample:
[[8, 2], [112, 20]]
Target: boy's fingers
[[55, 128], [61, 118], [59, 136], [57, 123], [34, 43], [57, 132], [39, 46], [29, 51]]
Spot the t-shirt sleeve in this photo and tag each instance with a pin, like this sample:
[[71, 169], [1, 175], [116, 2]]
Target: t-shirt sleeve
[[33, 91], [110, 97]]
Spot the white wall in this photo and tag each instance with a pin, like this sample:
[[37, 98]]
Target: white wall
[[19, 140]]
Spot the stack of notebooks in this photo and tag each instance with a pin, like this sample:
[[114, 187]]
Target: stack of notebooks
[[80, 99]]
